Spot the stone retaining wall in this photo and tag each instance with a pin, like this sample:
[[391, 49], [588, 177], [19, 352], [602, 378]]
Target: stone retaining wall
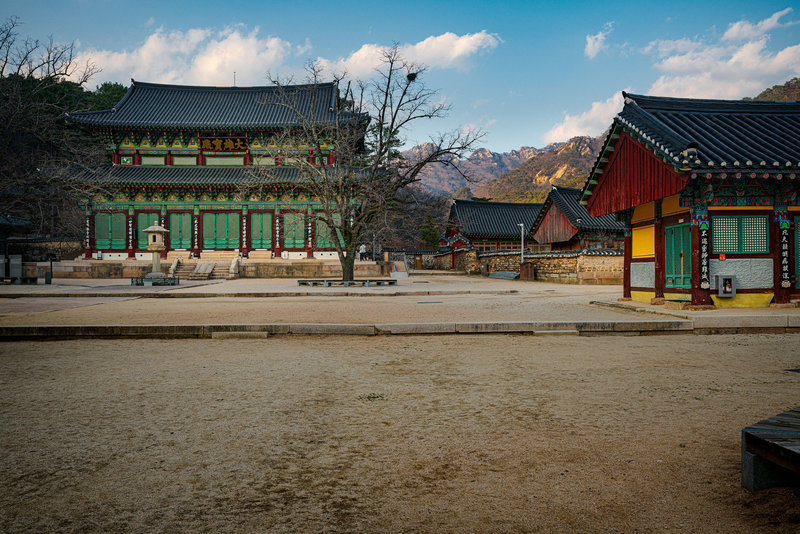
[[569, 267], [131, 268]]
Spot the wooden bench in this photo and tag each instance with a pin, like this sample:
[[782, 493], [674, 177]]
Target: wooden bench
[[771, 452], [348, 283]]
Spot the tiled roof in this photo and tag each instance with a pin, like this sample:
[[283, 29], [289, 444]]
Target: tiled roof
[[703, 135], [493, 219], [742, 134], [174, 175], [150, 105], [568, 200]]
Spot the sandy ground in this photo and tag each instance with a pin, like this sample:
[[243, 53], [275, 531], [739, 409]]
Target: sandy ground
[[355, 310], [403, 434]]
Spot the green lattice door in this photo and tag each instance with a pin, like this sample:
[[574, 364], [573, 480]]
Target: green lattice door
[[109, 231], [261, 230], [180, 230], [294, 230], [143, 221], [324, 235], [221, 230], [678, 256]]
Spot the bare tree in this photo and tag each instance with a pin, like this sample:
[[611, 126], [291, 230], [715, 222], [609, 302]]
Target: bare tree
[[38, 83], [372, 118]]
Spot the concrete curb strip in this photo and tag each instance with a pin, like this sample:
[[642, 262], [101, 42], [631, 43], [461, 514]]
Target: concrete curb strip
[[221, 331]]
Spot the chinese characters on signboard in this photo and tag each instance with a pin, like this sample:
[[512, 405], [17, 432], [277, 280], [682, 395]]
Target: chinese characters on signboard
[[705, 273], [784, 255], [223, 144]]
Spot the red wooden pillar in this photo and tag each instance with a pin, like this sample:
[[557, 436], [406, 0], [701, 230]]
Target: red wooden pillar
[[196, 233], [660, 253], [311, 224], [626, 269], [245, 234], [163, 223], [131, 239], [277, 249], [89, 234], [137, 158], [700, 296], [780, 247]]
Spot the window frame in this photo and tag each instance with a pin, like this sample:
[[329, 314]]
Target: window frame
[[739, 219]]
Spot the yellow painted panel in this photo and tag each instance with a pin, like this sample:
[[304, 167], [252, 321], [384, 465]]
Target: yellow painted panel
[[794, 208], [643, 242], [645, 212], [643, 296], [677, 296], [744, 300], [671, 205]]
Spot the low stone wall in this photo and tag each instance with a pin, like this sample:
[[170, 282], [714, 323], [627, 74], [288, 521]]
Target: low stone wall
[[131, 268], [311, 270], [588, 266], [92, 269], [578, 267]]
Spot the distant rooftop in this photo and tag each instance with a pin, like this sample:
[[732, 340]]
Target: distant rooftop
[[493, 219], [567, 200]]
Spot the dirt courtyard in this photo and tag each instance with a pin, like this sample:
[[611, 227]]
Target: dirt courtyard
[[492, 433]]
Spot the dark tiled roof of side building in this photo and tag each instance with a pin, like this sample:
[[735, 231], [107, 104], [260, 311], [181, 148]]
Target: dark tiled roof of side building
[[567, 200], [725, 133], [701, 135], [493, 219], [151, 105]]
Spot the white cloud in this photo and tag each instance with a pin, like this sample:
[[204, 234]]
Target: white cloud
[[744, 29], [197, 56], [730, 72], [447, 50], [207, 57], [591, 122], [597, 43]]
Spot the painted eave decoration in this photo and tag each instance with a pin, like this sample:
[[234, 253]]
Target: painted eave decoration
[[703, 136]]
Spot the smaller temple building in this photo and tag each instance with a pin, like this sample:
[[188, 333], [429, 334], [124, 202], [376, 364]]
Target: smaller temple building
[[564, 224], [708, 192], [492, 226]]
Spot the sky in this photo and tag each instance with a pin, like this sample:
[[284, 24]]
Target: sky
[[526, 73]]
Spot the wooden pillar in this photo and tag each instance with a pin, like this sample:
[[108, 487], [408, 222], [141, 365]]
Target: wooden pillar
[[626, 269], [245, 234], [131, 239], [780, 250], [700, 295], [163, 222], [277, 249], [311, 226], [196, 233], [89, 234], [660, 254]]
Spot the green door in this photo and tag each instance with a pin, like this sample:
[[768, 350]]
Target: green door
[[221, 230], [109, 231], [144, 220], [324, 235], [294, 230], [180, 230], [678, 256], [261, 230]]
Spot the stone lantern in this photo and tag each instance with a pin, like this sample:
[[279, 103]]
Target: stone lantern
[[155, 244]]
